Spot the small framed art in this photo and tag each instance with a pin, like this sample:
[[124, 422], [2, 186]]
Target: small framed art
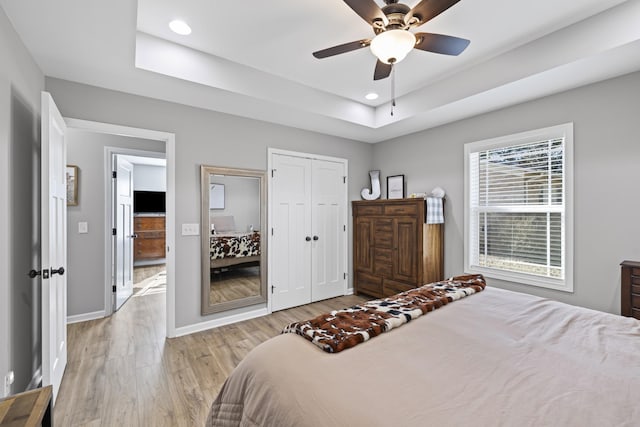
[[72, 185], [216, 196], [395, 187]]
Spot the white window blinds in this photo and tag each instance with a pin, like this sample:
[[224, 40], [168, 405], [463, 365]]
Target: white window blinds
[[517, 208]]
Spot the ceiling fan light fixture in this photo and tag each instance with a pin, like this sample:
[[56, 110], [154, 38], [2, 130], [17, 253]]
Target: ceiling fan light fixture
[[392, 46]]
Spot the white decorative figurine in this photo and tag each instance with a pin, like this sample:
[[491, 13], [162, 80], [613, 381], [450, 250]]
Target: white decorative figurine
[[374, 193]]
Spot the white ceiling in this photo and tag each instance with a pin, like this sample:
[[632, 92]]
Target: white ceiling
[[253, 58]]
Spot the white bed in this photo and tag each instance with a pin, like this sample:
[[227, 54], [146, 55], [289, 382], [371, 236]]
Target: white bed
[[496, 358]]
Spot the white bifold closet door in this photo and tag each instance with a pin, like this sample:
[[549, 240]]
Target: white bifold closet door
[[309, 238]]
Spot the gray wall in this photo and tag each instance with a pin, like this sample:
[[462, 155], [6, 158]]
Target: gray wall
[[20, 84], [606, 179], [203, 137], [86, 252], [242, 201], [149, 177]]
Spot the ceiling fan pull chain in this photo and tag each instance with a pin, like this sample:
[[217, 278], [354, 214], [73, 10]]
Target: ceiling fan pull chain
[[393, 88]]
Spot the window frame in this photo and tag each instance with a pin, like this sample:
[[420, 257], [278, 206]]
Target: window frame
[[564, 131]]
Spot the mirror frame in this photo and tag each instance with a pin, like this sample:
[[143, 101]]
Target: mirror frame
[[205, 173]]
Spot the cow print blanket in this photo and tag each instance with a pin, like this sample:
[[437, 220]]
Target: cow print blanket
[[342, 329], [235, 246]]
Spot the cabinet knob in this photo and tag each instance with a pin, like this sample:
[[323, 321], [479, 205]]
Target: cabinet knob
[[315, 237], [308, 238]]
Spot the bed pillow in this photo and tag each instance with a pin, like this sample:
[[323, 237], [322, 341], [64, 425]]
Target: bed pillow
[[223, 223]]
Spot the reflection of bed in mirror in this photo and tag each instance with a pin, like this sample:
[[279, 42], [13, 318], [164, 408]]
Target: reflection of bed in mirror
[[234, 258], [228, 249]]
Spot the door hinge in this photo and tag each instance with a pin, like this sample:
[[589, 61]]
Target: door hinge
[[114, 174], [272, 231], [344, 227], [344, 276], [273, 171], [344, 179], [272, 288], [114, 288], [113, 231]]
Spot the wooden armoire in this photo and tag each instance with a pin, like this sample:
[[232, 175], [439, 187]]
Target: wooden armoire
[[394, 250]]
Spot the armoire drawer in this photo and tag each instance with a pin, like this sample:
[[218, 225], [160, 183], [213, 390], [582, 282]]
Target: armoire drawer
[[369, 284], [401, 210], [367, 210], [392, 287]]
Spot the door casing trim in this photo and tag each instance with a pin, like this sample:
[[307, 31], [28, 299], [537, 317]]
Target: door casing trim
[[170, 147]]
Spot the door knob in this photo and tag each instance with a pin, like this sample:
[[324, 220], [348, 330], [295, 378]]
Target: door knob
[[315, 237], [33, 273], [134, 236], [308, 238], [59, 271]]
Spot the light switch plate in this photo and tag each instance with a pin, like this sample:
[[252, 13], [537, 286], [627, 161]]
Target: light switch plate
[[83, 227], [190, 229]]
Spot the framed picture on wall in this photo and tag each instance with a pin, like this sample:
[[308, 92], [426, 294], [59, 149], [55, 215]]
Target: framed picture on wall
[[216, 196], [72, 185], [395, 187]]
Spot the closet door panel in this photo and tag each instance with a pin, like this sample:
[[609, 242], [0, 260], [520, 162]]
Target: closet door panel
[[329, 232], [291, 207]]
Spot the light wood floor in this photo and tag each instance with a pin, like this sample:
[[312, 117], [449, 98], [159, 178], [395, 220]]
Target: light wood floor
[[235, 283], [123, 372]]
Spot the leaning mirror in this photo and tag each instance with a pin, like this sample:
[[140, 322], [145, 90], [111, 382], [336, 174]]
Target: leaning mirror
[[233, 250]]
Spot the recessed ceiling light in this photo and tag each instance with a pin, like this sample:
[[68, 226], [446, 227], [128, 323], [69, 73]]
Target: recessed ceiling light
[[180, 27], [371, 96]]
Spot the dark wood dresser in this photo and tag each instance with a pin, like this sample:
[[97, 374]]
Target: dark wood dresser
[[393, 249], [630, 296], [150, 243]]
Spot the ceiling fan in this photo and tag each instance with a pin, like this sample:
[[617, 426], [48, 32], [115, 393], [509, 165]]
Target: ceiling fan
[[393, 40]]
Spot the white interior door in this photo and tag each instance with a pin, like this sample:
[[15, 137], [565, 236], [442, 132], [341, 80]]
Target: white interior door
[[54, 244], [291, 239], [329, 230], [123, 274]]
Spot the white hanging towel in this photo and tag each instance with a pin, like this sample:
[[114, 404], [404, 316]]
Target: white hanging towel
[[435, 210]]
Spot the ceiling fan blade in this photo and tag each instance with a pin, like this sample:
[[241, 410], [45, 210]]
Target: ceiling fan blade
[[428, 9], [382, 70], [368, 10], [342, 48], [440, 43]]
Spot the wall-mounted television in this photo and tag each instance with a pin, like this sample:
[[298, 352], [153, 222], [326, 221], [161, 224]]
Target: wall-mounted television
[[149, 202]]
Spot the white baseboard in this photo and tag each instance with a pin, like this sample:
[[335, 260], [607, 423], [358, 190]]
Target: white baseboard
[[203, 326], [349, 291], [85, 316]]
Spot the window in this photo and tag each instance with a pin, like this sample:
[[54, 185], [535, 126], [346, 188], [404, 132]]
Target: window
[[518, 207]]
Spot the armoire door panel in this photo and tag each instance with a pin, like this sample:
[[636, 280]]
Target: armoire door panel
[[362, 252], [405, 244]]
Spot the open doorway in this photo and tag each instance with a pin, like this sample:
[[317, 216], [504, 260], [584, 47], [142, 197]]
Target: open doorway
[[96, 258], [139, 224]]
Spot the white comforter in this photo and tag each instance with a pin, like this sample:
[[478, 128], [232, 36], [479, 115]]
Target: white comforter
[[496, 358]]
